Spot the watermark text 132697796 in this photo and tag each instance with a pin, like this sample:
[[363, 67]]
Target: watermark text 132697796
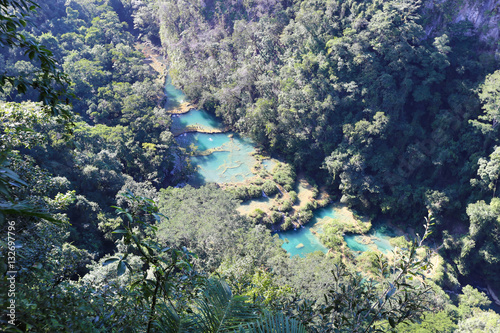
[[11, 272]]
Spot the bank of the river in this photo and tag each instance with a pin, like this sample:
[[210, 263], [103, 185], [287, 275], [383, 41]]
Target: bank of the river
[[218, 161], [234, 163]]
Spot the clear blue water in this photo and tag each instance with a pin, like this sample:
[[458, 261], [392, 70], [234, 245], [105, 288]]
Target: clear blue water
[[304, 235], [380, 241], [231, 165], [174, 96], [269, 164], [312, 243], [322, 213], [196, 117], [204, 141], [354, 244]]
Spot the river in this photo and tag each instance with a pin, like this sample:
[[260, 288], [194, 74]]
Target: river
[[225, 157]]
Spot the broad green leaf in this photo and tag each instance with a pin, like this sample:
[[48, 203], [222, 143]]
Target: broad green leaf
[[121, 268], [110, 261]]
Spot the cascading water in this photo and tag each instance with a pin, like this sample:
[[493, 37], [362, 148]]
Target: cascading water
[[222, 157]]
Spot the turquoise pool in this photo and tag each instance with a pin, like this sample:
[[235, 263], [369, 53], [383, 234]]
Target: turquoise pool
[[174, 96]]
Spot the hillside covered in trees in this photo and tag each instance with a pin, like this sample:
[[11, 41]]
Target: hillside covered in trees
[[392, 107], [398, 121]]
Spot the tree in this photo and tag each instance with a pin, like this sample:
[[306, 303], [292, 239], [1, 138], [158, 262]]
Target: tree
[[49, 80], [214, 309], [440, 322], [473, 313], [481, 321], [481, 246], [471, 298], [489, 171], [358, 305], [490, 97], [206, 221], [16, 131]]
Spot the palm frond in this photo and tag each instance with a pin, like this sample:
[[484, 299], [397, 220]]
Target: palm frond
[[169, 321], [277, 323], [218, 310], [24, 208]]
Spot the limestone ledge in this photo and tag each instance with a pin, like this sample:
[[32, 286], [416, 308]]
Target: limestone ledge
[[182, 108], [198, 129]]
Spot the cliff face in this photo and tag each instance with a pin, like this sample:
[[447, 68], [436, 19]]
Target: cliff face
[[483, 14]]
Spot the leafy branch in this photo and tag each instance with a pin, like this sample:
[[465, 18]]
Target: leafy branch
[[49, 80], [359, 305], [162, 261]]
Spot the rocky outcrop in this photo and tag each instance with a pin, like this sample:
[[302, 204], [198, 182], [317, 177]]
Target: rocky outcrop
[[483, 14]]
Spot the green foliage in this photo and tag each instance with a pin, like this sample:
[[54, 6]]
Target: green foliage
[[304, 216], [441, 321], [274, 323], [258, 181], [218, 310], [275, 217], [48, 79], [395, 300], [400, 242], [488, 172], [258, 215], [45, 262], [481, 246], [18, 130], [353, 86], [481, 321], [287, 224], [357, 93], [471, 298], [286, 206], [269, 187], [332, 236], [247, 192], [205, 221], [163, 262], [284, 175], [490, 98], [262, 288], [17, 125], [368, 262], [254, 191], [334, 230], [116, 88], [214, 309]]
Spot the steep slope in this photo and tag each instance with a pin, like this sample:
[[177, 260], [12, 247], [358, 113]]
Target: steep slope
[[484, 15]]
